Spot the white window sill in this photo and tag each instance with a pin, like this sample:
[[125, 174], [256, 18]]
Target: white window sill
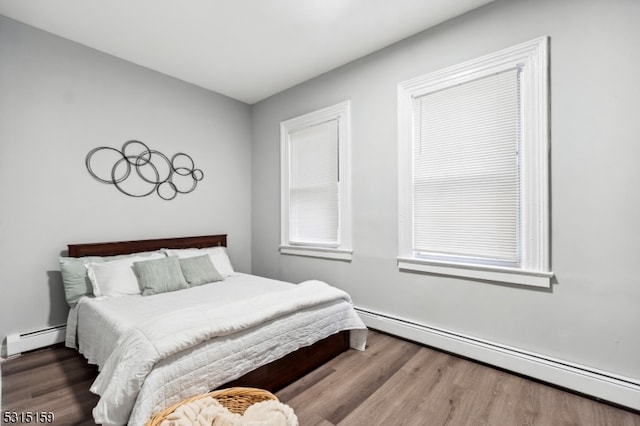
[[487, 273], [321, 252]]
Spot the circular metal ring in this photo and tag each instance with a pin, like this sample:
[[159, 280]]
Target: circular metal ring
[[136, 156], [117, 184], [197, 174], [150, 163], [187, 169], [172, 188], [88, 163]]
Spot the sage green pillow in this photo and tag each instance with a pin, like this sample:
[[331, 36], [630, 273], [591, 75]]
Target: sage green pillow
[[159, 276], [199, 270], [74, 274], [74, 277]]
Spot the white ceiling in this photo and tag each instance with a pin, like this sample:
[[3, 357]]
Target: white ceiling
[[245, 49]]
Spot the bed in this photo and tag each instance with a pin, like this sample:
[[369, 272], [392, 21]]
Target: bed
[[156, 349]]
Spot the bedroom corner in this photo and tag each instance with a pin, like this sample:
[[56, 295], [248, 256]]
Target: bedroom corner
[[61, 100]]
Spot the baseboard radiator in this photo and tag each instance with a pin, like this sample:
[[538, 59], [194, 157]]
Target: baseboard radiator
[[18, 343], [599, 384]]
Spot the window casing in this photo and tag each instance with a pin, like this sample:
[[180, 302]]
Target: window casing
[[315, 184], [473, 168]]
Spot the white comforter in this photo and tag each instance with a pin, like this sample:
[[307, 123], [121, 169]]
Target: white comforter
[[160, 361]]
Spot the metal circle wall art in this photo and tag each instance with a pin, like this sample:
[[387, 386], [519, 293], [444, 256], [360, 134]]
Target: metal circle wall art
[[152, 170]]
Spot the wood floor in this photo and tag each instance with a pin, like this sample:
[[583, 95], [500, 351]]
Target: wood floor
[[394, 382]]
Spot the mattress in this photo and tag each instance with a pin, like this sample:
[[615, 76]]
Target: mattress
[[97, 325]]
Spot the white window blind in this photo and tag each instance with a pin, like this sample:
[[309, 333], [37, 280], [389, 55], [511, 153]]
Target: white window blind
[[466, 180], [313, 184], [473, 180]]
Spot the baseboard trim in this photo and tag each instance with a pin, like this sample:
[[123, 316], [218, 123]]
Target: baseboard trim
[[18, 343], [610, 387]]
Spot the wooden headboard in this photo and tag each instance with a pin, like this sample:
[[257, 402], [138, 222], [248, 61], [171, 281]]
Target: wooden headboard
[[127, 247]]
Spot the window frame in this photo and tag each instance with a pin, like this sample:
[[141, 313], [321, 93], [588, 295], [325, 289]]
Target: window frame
[[534, 266], [342, 250]]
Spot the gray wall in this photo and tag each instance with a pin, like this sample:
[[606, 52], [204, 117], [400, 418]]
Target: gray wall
[[58, 100], [591, 315]]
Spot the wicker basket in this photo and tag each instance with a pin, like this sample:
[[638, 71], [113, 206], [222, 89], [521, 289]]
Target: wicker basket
[[236, 400]]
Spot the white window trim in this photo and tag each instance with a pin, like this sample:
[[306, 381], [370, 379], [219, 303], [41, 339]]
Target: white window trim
[[343, 251], [326, 253], [534, 268]]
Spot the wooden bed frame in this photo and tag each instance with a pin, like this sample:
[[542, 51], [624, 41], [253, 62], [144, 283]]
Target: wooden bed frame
[[271, 377]]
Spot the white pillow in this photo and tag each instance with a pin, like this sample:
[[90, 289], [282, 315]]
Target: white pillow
[[116, 277], [218, 256]]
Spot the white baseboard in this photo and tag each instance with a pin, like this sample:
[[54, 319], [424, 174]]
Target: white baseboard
[[17, 343], [599, 384]]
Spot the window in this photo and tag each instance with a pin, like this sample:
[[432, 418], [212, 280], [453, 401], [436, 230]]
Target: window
[[316, 184], [473, 171]]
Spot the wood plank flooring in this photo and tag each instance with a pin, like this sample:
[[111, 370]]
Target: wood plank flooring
[[56, 379], [393, 382]]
